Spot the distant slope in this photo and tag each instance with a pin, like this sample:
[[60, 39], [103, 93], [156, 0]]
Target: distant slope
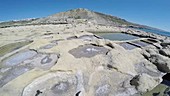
[[75, 16], [90, 16], [16, 23]]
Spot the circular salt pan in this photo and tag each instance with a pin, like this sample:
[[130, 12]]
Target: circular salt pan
[[88, 51], [13, 73], [52, 84], [43, 61]]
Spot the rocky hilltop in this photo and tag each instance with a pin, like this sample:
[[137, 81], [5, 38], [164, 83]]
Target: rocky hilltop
[[61, 55], [90, 16], [76, 15]]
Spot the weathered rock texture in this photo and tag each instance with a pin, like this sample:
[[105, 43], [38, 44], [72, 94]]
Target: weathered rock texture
[[69, 62]]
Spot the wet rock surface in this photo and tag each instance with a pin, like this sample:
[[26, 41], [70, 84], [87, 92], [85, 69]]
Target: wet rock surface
[[20, 63], [12, 73], [19, 58], [60, 88], [140, 43], [49, 46], [88, 37], [88, 51], [50, 85], [128, 46], [103, 90], [43, 61]]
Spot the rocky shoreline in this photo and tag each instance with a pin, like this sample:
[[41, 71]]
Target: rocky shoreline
[[67, 60]]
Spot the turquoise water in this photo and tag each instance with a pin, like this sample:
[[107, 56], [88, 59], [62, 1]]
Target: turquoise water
[[116, 36], [164, 33]]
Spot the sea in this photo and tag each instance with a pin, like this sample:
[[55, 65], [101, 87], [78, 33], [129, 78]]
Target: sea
[[160, 32]]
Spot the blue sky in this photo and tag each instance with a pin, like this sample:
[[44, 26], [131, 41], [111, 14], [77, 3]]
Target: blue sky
[[155, 13]]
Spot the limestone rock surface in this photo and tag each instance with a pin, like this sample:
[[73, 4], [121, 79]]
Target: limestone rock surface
[[70, 62]]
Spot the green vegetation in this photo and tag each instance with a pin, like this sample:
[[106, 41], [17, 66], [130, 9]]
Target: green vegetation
[[11, 47], [160, 90]]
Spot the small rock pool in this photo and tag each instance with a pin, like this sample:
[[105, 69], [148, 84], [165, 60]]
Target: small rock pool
[[116, 36]]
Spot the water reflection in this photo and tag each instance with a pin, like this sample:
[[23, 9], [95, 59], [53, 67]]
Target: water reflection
[[117, 36]]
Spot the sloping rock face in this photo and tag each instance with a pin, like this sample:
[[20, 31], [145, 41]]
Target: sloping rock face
[[68, 62], [83, 15]]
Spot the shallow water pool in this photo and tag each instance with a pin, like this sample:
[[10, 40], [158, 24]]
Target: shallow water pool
[[116, 36]]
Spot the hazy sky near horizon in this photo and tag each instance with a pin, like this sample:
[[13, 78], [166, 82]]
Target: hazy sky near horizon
[[155, 13]]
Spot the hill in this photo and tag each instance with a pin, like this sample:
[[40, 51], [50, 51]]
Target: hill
[[79, 15]]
